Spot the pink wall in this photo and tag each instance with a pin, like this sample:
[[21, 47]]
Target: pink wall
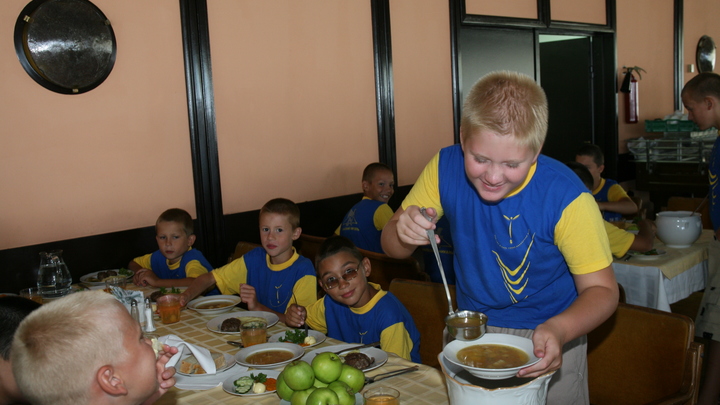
[[507, 8], [697, 24], [588, 11], [107, 160]]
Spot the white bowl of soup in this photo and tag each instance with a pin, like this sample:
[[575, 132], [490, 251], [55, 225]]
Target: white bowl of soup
[[269, 355], [678, 229], [214, 304], [495, 356]]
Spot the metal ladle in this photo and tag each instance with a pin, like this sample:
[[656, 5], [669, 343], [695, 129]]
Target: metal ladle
[[464, 329]]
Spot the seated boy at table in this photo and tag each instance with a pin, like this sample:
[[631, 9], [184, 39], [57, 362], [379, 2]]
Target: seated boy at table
[[271, 277], [13, 310], [364, 222], [530, 248], [621, 241], [175, 263], [610, 196], [85, 348], [354, 310]]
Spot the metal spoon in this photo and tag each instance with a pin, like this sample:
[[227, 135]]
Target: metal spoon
[[389, 374], [357, 347], [431, 236]]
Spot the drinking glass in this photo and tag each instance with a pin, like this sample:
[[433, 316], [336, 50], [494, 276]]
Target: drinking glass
[[382, 396], [253, 333], [54, 279], [169, 308], [32, 294], [115, 281]]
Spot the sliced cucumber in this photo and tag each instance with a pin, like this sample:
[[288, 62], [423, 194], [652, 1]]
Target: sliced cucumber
[[243, 385]]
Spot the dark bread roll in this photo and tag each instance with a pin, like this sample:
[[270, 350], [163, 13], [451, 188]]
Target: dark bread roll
[[231, 325], [359, 360]]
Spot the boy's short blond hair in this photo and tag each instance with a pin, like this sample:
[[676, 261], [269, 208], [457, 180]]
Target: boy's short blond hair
[[507, 103], [285, 207], [58, 348], [180, 216]]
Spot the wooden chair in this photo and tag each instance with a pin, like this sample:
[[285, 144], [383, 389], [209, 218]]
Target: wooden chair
[[241, 248], [427, 303], [309, 245], [644, 356], [690, 204], [385, 269]]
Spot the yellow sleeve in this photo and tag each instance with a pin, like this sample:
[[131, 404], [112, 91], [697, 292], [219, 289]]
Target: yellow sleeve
[[144, 261], [337, 231], [396, 339], [304, 292], [382, 216], [616, 193], [426, 191], [229, 277], [620, 241], [580, 235], [316, 315], [194, 269]]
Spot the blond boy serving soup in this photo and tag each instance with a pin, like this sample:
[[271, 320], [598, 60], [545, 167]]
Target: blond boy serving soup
[[530, 248]]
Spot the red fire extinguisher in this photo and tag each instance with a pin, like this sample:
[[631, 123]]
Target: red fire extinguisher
[[630, 88]]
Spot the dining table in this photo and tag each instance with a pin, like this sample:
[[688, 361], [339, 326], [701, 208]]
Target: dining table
[[424, 386], [656, 281]]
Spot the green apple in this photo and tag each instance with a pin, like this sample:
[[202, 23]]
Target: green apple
[[301, 397], [283, 391], [319, 384], [298, 375], [327, 367], [323, 396], [353, 377], [345, 394]]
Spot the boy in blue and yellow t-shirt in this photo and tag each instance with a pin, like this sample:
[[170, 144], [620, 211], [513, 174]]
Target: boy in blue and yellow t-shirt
[[175, 263], [365, 221], [271, 277], [356, 311]]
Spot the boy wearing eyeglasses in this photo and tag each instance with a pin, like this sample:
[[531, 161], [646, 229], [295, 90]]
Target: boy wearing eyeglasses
[[358, 311]]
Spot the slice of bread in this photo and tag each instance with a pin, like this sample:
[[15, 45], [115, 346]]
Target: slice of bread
[[190, 365]]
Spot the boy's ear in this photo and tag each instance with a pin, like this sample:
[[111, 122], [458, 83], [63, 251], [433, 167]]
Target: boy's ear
[[365, 185], [366, 265], [296, 233], [109, 382], [191, 239], [601, 168]]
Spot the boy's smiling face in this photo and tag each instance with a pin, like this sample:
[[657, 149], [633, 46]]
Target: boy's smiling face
[[496, 164], [277, 236], [355, 292], [172, 240], [380, 188]]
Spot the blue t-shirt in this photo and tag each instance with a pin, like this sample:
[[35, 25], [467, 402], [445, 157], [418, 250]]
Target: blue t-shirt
[[359, 225], [275, 288], [159, 265], [602, 196], [713, 171]]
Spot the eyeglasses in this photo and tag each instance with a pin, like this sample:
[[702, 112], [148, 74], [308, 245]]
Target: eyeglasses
[[333, 282]]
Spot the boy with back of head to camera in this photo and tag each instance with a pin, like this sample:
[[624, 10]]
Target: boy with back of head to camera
[[271, 277], [13, 310], [530, 248], [365, 221], [86, 349], [701, 97], [621, 241], [175, 263], [353, 309], [610, 196]]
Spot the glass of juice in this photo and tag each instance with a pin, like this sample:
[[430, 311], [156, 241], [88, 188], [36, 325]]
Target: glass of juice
[[382, 396], [253, 333], [32, 294], [169, 308]]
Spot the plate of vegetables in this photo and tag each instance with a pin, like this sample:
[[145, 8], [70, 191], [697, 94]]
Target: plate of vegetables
[[252, 383], [299, 337], [651, 254], [98, 277]]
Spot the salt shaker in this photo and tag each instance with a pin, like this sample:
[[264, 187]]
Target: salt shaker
[[134, 313], [149, 326]]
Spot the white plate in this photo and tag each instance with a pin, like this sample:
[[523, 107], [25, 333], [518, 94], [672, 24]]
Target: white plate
[[319, 337], [243, 354], [380, 356], [451, 349], [231, 300], [214, 324], [229, 384], [229, 362], [358, 400], [86, 278], [643, 256]]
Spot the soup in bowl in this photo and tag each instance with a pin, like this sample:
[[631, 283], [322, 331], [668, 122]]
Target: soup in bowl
[[495, 356]]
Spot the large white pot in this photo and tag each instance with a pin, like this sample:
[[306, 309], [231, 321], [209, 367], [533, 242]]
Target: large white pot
[[678, 229], [466, 389]]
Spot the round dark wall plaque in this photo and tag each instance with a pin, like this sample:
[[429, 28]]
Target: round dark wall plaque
[[67, 46]]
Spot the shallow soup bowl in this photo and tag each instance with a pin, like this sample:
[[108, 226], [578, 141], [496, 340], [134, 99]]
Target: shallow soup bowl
[[524, 344]]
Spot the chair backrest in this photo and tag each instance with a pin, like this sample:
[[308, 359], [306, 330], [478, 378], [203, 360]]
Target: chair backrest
[[690, 204], [641, 212], [241, 248], [308, 246], [385, 268], [641, 355], [427, 303]]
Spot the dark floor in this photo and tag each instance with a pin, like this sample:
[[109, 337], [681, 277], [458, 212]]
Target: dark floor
[[689, 307]]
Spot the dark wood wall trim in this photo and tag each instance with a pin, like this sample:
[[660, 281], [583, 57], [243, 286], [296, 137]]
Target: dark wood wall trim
[[457, 10], [678, 52], [384, 96], [203, 135]]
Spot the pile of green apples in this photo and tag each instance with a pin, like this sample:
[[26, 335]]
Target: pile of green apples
[[327, 380]]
